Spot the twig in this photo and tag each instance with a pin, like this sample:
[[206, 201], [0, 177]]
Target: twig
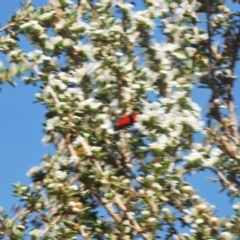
[[171, 166], [233, 118], [44, 233], [13, 23], [111, 212], [83, 233], [224, 180], [123, 208], [212, 84], [5, 228], [79, 10]]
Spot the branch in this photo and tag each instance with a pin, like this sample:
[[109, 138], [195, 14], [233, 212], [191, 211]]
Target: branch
[[233, 118], [235, 49], [104, 202], [210, 42], [83, 233], [224, 180], [13, 23], [4, 228], [46, 230], [79, 10], [123, 208]]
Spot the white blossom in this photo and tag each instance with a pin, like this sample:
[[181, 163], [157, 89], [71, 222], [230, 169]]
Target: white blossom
[[60, 174], [47, 15], [36, 232], [151, 220], [33, 170], [226, 236], [73, 187], [145, 213]]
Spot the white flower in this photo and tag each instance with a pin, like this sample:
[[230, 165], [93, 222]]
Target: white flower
[[160, 144], [214, 220], [199, 221], [229, 225], [76, 210], [107, 124], [216, 152], [157, 165], [35, 54], [201, 207], [33, 170], [96, 149], [49, 45], [71, 204], [139, 179], [29, 24], [190, 51], [145, 213], [151, 220], [46, 16], [126, 222], [90, 102], [67, 1], [127, 93], [236, 207], [141, 16], [179, 55], [60, 174], [45, 140], [36, 232], [119, 54], [150, 177], [219, 17], [67, 42], [126, 6], [150, 193], [210, 161], [187, 219], [226, 235], [20, 227], [59, 83], [125, 181], [203, 36], [116, 28], [194, 155], [23, 188], [179, 94], [73, 187], [60, 24], [78, 141], [165, 101], [51, 122], [157, 186], [188, 189], [56, 40], [12, 55], [141, 191], [166, 211], [196, 198], [78, 26]]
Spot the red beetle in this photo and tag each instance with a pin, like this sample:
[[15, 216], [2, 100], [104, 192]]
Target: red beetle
[[126, 120]]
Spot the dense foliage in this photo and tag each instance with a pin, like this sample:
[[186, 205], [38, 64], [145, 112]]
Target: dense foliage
[[100, 60]]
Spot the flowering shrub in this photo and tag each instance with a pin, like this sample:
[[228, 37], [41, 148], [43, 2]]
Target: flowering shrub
[[97, 61]]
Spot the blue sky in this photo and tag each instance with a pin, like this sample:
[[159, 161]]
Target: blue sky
[[20, 126], [21, 133]]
